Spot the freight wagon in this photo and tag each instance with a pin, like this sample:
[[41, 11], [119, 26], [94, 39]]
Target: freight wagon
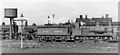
[[53, 33]]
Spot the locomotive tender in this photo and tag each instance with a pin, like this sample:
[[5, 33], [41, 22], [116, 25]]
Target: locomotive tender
[[95, 29]]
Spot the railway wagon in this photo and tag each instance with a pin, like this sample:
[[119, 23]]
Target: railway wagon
[[53, 33]]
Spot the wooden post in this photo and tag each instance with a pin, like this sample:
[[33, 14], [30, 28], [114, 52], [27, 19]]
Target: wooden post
[[21, 34], [21, 41]]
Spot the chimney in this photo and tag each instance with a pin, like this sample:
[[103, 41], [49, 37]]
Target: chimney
[[77, 19], [68, 21], [86, 16], [81, 16], [26, 23], [107, 16], [102, 16]]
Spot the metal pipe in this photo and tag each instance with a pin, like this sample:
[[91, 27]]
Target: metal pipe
[[11, 21]]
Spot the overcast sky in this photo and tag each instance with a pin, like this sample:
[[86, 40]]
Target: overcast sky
[[36, 11]]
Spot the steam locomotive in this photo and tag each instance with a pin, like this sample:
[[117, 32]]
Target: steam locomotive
[[95, 29]]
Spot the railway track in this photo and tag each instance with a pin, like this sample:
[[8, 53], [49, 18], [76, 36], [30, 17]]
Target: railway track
[[61, 48], [14, 42], [46, 47]]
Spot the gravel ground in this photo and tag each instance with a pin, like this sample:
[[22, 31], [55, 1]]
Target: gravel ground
[[14, 47]]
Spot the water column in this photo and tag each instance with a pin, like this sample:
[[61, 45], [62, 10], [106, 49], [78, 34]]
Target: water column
[[10, 13]]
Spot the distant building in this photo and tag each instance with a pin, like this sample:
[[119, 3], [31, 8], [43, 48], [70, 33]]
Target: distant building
[[102, 21]]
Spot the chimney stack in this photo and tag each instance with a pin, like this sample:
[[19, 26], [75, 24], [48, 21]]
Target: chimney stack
[[81, 16], [68, 21], [107, 16], [102, 16], [76, 20], [86, 16]]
